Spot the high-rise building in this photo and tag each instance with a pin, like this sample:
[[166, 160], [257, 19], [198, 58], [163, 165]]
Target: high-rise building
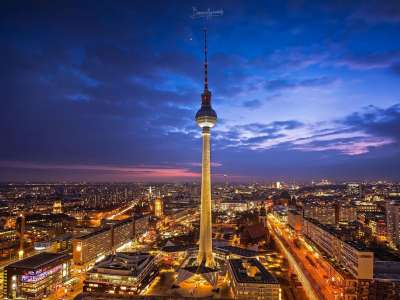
[[393, 222], [158, 207], [57, 206], [21, 231], [89, 247], [324, 214], [352, 256], [347, 214]]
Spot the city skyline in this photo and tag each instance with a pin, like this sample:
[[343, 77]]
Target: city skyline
[[303, 90]]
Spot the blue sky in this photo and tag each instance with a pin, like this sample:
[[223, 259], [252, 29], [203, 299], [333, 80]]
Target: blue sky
[[100, 91]]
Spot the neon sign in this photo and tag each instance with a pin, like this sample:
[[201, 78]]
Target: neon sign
[[35, 276]]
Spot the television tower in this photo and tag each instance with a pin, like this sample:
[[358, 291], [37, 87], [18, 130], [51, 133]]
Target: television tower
[[204, 264], [206, 118]]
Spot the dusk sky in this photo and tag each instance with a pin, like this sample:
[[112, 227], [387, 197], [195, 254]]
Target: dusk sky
[[108, 90]]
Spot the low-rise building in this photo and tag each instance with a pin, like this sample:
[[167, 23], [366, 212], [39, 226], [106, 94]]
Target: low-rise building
[[36, 277], [232, 205], [121, 275], [250, 280]]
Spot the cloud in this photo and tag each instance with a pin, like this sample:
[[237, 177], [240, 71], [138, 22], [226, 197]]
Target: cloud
[[354, 135], [120, 87], [127, 172], [198, 164], [376, 11], [256, 135], [369, 61], [396, 68], [380, 122], [252, 104], [357, 133], [350, 146], [284, 84]]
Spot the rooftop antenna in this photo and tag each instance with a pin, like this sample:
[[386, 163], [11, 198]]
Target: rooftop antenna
[[207, 15]]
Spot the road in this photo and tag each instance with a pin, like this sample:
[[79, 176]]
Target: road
[[312, 290]]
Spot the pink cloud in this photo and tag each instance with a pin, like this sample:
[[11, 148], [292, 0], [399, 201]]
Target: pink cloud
[[127, 172], [351, 147], [198, 164]]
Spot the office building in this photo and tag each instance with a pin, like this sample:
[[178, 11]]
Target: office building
[[36, 277], [89, 247], [324, 214], [347, 214], [57, 206], [393, 223], [250, 280], [121, 275], [122, 232], [232, 205], [352, 256], [141, 226], [159, 207], [295, 220]]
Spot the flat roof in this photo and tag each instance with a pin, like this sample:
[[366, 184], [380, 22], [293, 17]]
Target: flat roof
[[238, 251], [93, 233], [178, 248], [338, 233], [123, 263], [37, 261], [240, 268]]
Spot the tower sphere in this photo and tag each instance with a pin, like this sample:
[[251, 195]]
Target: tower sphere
[[206, 116]]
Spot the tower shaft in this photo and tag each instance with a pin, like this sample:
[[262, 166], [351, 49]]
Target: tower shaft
[[205, 254]]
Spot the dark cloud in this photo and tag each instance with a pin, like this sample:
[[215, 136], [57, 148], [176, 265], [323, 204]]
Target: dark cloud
[[283, 84], [377, 121], [396, 68], [367, 61], [376, 11], [252, 104]]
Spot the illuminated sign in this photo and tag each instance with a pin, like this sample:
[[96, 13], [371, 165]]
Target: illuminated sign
[[35, 276]]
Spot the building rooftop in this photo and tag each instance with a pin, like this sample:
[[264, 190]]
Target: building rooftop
[[94, 233], [38, 261], [123, 264], [237, 251], [178, 248], [251, 271]]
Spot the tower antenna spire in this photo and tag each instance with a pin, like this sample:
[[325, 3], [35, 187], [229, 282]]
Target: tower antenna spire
[[207, 15], [205, 61]]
